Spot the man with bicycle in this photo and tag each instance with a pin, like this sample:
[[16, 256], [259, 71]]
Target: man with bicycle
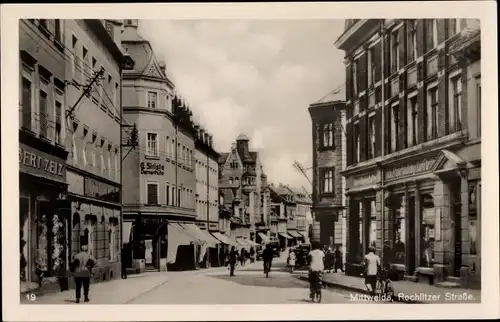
[[316, 266]]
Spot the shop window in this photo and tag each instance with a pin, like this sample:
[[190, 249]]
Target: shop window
[[361, 231], [474, 200], [42, 238], [24, 222], [373, 224], [400, 235]]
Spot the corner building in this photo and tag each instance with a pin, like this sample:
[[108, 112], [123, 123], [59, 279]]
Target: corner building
[[413, 179]]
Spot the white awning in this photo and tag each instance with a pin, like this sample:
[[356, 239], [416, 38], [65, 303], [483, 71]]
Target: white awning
[[224, 239], [294, 234], [285, 235], [264, 238], [127, 231], [177, 236], [196, 237]]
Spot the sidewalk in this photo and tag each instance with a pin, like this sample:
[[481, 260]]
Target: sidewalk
[[118, 291], [405, 291]]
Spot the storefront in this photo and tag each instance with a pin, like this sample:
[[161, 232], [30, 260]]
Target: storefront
[[43, 212], [423, 217]]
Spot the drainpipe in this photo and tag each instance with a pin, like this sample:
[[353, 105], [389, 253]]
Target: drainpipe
[[382, 206]]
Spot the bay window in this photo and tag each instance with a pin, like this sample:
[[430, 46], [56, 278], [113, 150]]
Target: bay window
[[327, 178], [152, 100], [327, 135]]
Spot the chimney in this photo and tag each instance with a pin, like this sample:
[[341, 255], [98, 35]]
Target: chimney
[[207, 137], [163, 67], [202, 135]]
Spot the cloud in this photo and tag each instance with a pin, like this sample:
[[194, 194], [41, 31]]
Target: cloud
[[256, 77]]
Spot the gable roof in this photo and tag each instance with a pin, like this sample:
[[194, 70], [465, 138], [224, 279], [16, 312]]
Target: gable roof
[[223, 157]]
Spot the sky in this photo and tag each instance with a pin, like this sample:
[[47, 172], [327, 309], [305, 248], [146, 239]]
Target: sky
[[255, 77]]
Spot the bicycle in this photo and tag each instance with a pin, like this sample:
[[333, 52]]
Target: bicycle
[[384, 285], [316, 285]]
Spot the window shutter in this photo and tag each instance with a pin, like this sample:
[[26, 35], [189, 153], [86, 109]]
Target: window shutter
[[402, 45], [377, 55], [363, 72], [387, 128], [362, 138], [387, 55], [409, 43], [402, 124], [349, 139], [378, 132], [421, 114], [420, 37], [441, 29], [348, 81], [442, 104], [428, 34]]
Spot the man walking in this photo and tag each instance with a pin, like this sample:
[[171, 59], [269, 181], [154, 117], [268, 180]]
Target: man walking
[[372, 266], [267, 257], [233, 257], [83, 264]]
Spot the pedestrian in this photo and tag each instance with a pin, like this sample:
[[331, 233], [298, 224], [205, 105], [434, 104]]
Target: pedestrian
[[125, 258], [233, 257], [83, 264], [267, 257], [328, 260], [291, 260], [372, 266], [338, 260], [252, 254]]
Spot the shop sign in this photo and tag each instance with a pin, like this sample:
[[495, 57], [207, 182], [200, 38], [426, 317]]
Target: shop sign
[[152, 168], [154, 221], [365, 180], [409, 169], [36, 162]]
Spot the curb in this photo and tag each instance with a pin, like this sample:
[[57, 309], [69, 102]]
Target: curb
[[357, 290]]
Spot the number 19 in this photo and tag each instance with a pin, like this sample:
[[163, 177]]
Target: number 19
[[31, 297]]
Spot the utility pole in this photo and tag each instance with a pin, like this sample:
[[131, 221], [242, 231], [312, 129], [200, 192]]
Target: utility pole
[[86, 91]]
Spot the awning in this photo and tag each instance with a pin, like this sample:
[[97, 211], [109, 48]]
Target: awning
[[264, 238], [224, 239], [176, 236], [127, 231], [301, 234], [193, 232], [243, 243], [285, 235], [294, 234], [209, 239]]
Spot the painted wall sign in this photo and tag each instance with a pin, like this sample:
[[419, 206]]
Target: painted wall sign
[[33, 161], [152, 168], [409, 169], [365, 180]]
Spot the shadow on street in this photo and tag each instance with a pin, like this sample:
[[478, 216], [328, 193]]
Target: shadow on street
[[278, 281]]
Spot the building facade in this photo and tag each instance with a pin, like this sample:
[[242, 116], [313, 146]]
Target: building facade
[[159, 174], [240, 179], [326, 116], [44, 213], [303, 211], [93, 142], [413, 157], [207, 182]]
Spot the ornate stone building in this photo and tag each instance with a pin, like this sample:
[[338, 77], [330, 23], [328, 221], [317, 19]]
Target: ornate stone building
[[413, 146]]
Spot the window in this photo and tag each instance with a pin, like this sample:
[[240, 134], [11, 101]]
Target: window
[[58, 30], [44, 117], [109, 160], [172, 149], [167, 194], [327, 181], [84, 62], [478, 90], [152, 100], [413, 32], [328, 135], [117, 166], [357, 147], [74, 56], [355, 77], [234, 164], [179, 204], [152, 144], [184, 155], [455, 114], [230, 180], [395, 51], [371, 135], [394, 128], [172, 196], [434, 33], [115, 96], [103, 165], [58, 122], [413, 121], [94, 63], [432, 113], [113, 253], [94, 164], [371, 66], [26, 103], [152, 193]]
